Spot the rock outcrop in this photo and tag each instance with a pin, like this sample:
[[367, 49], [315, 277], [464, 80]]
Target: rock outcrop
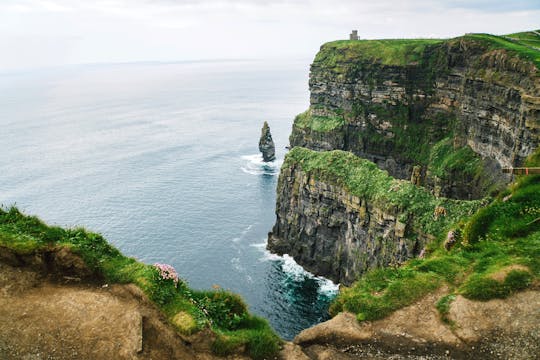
[[266, 144], [333, 233]]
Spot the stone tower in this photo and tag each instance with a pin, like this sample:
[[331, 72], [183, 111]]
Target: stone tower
[[354, 35]]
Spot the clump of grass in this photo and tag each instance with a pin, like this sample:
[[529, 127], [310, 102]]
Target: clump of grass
[[443, 306], [482, 287], [189, 311], [307, 120], [445, 159], [258, 342]]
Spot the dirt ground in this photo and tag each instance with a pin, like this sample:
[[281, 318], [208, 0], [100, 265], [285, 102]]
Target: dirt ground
[[495, 329], [66, 318]]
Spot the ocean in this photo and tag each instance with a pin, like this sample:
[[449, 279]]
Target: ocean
[[162, 159]]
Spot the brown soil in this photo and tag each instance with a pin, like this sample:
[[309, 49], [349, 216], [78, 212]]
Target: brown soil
[[68, 318], [496, 329]]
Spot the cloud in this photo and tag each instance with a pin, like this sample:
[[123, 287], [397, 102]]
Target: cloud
[[44, 32]]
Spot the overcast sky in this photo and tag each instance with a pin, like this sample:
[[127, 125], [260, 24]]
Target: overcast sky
[[36, 33]]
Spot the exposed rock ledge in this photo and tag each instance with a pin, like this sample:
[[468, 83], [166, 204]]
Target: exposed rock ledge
[[496, 329]]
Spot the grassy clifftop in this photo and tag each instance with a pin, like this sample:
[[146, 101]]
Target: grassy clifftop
[[188, 310], [388, 52], [401, 52]]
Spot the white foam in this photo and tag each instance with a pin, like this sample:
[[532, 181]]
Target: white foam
[[327, 287], [297, 273], [254, 165]]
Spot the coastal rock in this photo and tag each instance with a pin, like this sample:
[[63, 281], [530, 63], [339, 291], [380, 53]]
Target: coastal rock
[[266, 144], [52, 307]]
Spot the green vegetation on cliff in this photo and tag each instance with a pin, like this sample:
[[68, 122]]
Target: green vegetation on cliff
[[188, 310], [387, 52], [399, 52], [365, 180], [525, 45], [307, 120], [496, 253]]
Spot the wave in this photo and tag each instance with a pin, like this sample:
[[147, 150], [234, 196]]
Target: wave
[[254, 165], [297, 273]]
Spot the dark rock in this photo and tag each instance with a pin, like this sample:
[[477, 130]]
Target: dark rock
[[266, 144]]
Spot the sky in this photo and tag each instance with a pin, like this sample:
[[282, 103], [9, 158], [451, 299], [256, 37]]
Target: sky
[[42, 33]]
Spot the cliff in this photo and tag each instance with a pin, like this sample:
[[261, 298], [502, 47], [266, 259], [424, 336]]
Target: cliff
[[394, 188], [407, 103], [339, 215], [445, 116]]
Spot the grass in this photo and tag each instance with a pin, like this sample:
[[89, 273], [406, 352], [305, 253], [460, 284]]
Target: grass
[[444, 159], [387, 52], [399, 52], [528, 38], [365, 180], [188, 310], [307, 120], [503, 235], [518, 44]]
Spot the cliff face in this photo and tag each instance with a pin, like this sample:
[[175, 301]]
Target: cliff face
[[393, 113], [332, 232], [446, 115]]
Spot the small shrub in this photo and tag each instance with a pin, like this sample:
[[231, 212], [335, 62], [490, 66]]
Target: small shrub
[[483, 288], [226, 310], [518, 280]]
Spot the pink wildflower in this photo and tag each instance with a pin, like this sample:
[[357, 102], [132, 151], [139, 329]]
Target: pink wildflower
[[167, 272]]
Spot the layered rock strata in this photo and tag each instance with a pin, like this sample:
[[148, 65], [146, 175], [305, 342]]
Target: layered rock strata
[[392, 113]]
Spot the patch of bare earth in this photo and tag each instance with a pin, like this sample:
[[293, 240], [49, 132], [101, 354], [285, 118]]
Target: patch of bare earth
[[495, 329], [65, 318]]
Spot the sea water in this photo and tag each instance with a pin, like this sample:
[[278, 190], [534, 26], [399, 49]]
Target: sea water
[[162, 159]]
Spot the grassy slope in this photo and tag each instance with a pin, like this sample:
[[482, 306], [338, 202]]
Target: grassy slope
[[496, 254], [307, 120], [224, 312]]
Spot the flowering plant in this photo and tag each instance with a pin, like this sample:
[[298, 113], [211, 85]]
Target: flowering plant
[[167, 272]]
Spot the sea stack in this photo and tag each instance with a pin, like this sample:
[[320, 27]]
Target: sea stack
[[266, 144]]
